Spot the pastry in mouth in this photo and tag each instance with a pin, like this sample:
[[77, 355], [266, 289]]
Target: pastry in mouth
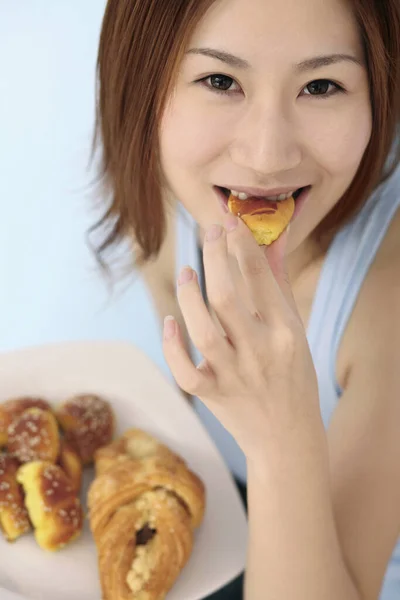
[[267, 218]]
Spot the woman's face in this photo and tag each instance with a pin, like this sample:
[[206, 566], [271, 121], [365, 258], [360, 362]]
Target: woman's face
[[272, 94]]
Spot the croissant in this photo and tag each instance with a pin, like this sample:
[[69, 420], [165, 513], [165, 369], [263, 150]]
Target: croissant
[[136, 444], [144, 505], [54, 509]]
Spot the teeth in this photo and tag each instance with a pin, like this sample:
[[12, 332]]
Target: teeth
[[278, 198]]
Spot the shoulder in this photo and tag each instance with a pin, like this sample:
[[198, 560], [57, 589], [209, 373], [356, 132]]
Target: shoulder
[[382, 297], [374, 330], [363, 435]]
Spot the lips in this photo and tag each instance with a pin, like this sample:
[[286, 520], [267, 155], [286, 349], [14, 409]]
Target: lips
[[299, 197], [226, 192]]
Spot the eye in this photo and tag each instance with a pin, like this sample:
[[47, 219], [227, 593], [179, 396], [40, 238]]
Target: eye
[[222, 84], [323, 88]]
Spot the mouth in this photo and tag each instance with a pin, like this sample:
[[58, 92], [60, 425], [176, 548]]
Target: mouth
[[299, 197]]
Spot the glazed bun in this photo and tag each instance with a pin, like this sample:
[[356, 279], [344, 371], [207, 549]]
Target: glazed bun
[[266, 220], [88, 424]]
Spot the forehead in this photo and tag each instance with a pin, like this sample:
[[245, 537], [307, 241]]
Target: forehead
[[256, 29]]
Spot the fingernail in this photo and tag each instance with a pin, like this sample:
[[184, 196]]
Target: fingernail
[[213, 233], [169, 327], [231, 223], [185, 275]]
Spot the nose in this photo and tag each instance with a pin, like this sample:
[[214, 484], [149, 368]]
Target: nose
[[265, 141]]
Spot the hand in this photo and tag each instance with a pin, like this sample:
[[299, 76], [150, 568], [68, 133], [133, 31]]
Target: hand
[[259, 377]]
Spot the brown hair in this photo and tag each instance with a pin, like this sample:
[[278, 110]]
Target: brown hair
[[141, 45]]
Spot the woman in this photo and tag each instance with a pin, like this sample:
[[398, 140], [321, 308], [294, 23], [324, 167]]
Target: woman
[[299, 341]]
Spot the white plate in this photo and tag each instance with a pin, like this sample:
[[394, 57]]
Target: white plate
[[141, 397]]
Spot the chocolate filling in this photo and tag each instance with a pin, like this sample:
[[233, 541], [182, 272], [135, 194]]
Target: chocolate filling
[[145, 535]]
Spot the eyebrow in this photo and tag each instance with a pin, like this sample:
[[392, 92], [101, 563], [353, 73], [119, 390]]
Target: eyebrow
[[306, 65], [226, 57], [324, 61]]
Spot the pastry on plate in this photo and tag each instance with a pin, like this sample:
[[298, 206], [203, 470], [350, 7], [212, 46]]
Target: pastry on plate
[[88, 424], [53, 506], [144, 547], [14, 520], [11, 409], [34, 435], [134, 443], [144, 505]]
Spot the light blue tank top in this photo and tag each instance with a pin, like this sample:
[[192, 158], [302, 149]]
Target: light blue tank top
[[344, 270]]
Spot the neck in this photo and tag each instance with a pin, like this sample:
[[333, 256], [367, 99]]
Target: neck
[[303, 259]]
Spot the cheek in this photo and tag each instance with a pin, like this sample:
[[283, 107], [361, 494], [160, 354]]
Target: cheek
[[190, 136], [339, 139]]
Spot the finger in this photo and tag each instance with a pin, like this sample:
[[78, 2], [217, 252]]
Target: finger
[[276, 256], [201, 328], [263, 288], [191, 380], [221, 290]]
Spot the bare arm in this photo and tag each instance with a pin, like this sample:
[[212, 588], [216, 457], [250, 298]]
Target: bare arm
[[330, 533]]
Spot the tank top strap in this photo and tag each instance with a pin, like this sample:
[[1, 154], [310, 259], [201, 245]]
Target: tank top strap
[[345, 268]]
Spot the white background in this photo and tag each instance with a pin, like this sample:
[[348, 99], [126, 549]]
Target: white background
[[51, 289]]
